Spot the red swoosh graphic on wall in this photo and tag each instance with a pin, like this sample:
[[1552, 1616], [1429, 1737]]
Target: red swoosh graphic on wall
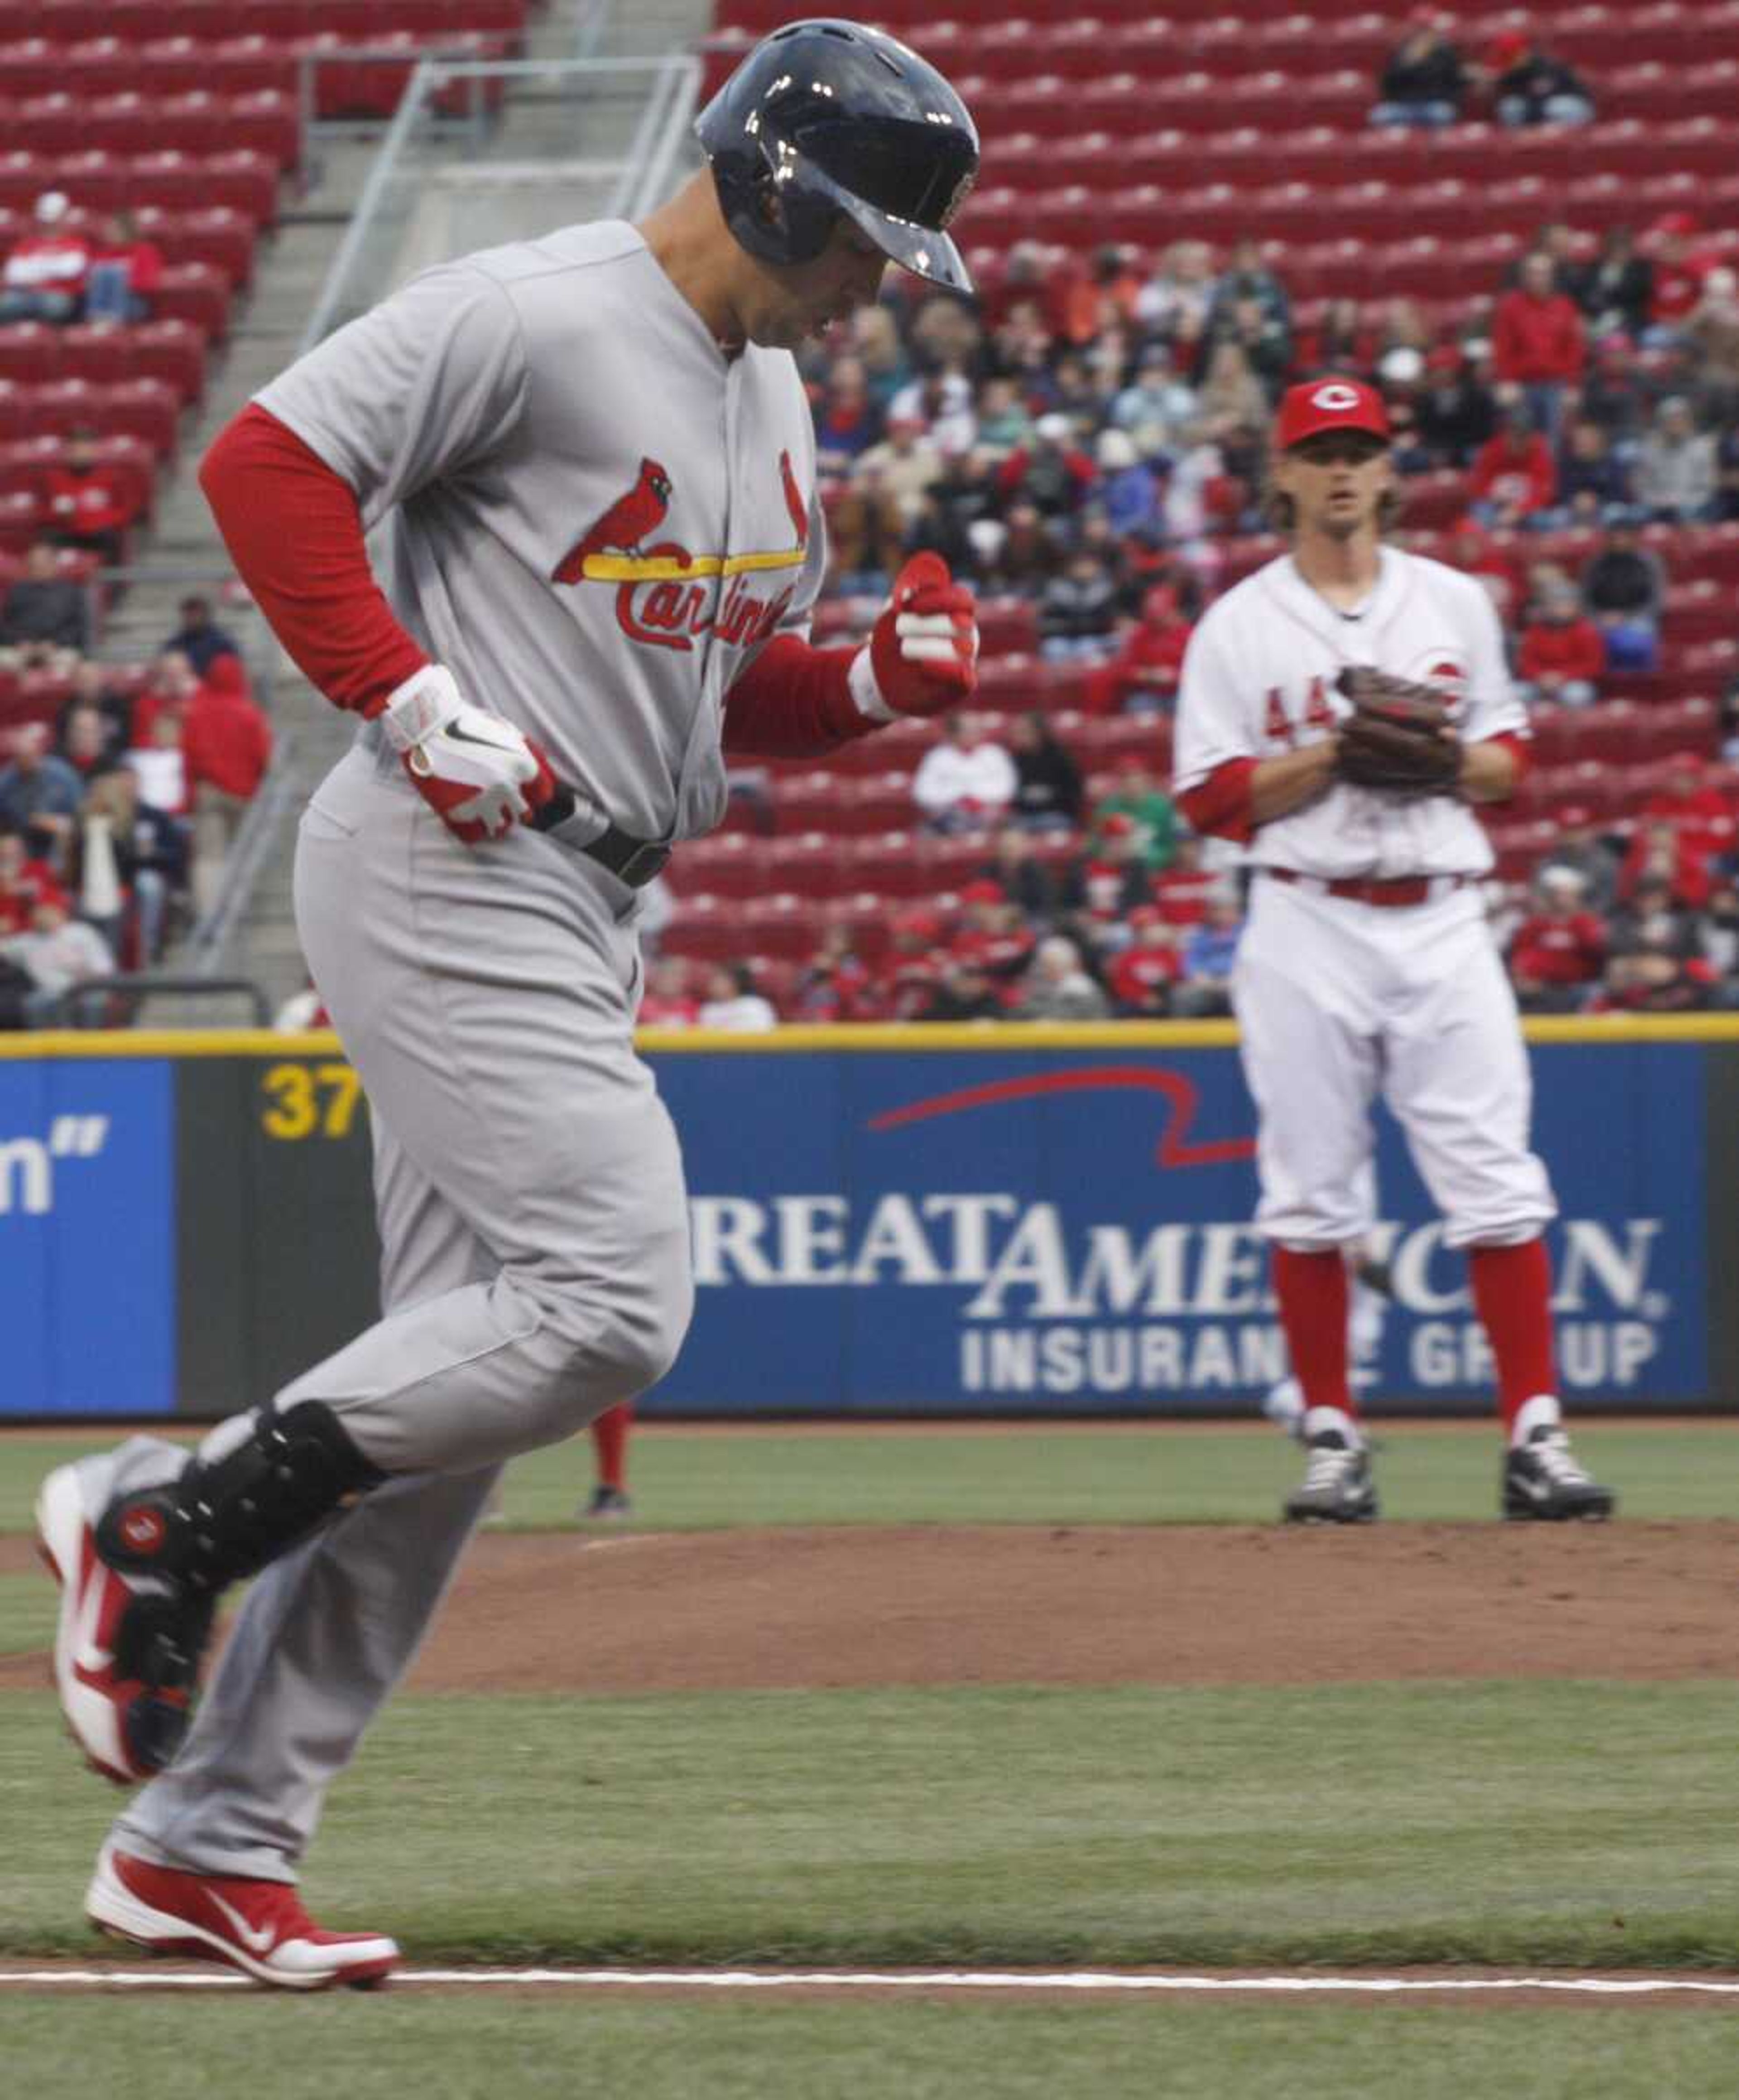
[[1182, 1097]]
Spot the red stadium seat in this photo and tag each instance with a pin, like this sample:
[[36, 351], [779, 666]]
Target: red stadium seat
[[172, 350], [197, 294], [29, 352], [103, 355], [21, 518], [146, 408]]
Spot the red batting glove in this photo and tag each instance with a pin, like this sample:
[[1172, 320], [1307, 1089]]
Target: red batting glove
[[921, 656]]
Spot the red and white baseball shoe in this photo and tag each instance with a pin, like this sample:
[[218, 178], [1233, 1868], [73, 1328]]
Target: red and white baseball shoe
[[126, 1652], [256, 1927]]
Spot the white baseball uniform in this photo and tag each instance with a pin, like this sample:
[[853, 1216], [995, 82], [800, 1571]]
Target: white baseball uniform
[[1339, 1001], [594, 518]]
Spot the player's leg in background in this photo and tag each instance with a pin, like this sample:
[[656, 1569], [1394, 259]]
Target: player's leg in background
[[326, 1632], [1308, 1042], [1459, 1083], [609, 1451]]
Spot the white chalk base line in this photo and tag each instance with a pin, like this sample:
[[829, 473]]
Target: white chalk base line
[[938, 1979]]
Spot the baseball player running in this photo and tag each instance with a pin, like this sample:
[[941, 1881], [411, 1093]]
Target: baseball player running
[[1339, 711], [595, 462]]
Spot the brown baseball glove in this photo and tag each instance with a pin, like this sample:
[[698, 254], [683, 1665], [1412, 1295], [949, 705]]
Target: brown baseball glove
[[1398, 736]]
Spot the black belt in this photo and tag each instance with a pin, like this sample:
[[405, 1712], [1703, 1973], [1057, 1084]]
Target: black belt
[[631, 860]]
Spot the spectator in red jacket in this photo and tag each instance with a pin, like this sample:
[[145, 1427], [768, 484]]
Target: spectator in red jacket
[[1538, 341], [1473, 551], [1563, 652], [1558, 953], [993, 938], [1141, 976], [125, 272], [1513, 473], [1679, 268], [171, 685], [44, 278], [24, 884], [1697, 810], [227, 743], [912, 967], [1182, 890], [91, 504], [1142, 678], [1663, 859]]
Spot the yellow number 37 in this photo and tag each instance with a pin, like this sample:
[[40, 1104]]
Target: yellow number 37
[[309, 1101]]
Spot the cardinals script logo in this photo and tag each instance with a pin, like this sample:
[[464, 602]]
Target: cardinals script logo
[[666, 596]]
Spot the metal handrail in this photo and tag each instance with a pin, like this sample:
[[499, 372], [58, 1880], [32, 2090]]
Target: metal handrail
[[135, 986], [430, 76], [208, 945]]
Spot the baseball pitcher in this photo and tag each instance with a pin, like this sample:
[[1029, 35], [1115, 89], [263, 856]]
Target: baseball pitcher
[[1339, 711]]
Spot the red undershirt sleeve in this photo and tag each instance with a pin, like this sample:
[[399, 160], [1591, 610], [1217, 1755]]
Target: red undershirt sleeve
[[1220, 805], [793, 702], [1521, 749], [294, 532]]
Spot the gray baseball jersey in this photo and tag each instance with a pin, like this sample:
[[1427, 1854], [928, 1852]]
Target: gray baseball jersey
[[592, 518], [596, 517]]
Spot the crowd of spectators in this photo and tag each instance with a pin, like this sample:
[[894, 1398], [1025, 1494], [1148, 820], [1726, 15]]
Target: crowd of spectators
[[114, 820], [1650, 924], [1091, 434]]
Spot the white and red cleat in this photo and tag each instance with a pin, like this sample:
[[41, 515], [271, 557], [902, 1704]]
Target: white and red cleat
[[257, 1926], [124, 1666]]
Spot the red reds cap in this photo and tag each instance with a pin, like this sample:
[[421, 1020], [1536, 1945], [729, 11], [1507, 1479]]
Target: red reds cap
[[1332, 403], [985, 891]]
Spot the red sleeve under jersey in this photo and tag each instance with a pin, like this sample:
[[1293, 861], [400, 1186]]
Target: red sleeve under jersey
[[794, 701], [295, 534]]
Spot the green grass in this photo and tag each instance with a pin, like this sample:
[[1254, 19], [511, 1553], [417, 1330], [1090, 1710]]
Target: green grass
[[387, 2046], [1565, 1823], [1235, 1474]]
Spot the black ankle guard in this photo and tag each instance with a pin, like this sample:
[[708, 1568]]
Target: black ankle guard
[[220, 1523]]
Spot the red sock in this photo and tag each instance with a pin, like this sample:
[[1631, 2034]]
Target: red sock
[[1312, 1291], [1513, 1293], [610, 1443]]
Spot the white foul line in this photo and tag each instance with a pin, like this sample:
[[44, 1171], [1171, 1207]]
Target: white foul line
[[937, 1979]]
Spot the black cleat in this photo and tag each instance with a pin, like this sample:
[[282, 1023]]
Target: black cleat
[[1543, 1484]]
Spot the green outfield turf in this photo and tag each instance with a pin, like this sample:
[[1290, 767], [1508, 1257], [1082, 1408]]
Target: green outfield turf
[[1532, 1826], [1235, 1474], [387, 2046], [1569, 1824]]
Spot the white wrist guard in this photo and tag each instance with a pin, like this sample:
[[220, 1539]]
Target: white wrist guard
[[866, 695], [426, 702]]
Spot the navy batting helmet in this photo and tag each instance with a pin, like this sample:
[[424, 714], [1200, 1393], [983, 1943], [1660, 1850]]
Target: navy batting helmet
[[827, 117]]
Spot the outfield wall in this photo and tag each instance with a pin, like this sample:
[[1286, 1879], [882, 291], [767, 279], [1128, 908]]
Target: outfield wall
[[885, 1221]]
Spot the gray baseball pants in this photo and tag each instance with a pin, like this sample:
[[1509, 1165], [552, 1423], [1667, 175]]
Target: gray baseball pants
[[534, 1272]]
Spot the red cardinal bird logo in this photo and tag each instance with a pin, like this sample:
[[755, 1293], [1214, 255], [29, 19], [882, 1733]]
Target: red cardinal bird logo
[[625, 525], [793, 499]]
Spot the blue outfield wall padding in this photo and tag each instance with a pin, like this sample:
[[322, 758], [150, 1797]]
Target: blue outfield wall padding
[[985, 1232], [884, 1222], [87, 1252]]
